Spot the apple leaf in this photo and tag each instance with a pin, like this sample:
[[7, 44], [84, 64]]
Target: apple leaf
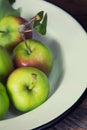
[[6, 9], [41, 23], [12, 1], [38, 22]]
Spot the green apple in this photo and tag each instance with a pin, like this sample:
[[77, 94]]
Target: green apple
[[9, 31], [6, 64], [4, 101], [28, 88], [33, 53]]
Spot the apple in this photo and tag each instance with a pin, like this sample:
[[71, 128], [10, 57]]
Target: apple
[[28, 88], [4, 101], [6, 64], [33, 53], [10, 35]]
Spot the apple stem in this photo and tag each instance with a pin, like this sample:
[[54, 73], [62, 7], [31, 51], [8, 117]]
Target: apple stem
[[23, 29], [2, 31], [33, 82], [34, 77], [27, 47]]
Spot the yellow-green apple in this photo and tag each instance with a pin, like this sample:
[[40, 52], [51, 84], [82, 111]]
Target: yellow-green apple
[[33, 53], [10, 35], [28, 88], [4, 101], [6, 64]]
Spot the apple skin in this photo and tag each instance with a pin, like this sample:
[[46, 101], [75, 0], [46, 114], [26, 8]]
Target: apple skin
[[28, 88], [6, 64], [11, 36], [40, 56], [4, 101]]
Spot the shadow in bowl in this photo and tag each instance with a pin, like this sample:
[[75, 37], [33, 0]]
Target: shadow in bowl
[[57, 73]]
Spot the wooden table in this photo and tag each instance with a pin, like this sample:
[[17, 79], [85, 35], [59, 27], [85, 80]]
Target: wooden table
[[77, 118]]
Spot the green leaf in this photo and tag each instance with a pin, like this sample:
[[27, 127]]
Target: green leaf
[[12, 1], [41, 24], [44, 25], [40, 14], [37, 22], [6, 9]]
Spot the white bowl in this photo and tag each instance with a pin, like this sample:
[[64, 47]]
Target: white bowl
[[68, 79]]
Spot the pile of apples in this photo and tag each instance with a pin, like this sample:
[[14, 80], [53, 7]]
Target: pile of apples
[[25, 64]]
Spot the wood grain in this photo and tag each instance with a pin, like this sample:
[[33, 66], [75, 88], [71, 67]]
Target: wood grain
[[76, 120]]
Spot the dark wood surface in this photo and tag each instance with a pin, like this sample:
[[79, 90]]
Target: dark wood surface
[[77, 118]]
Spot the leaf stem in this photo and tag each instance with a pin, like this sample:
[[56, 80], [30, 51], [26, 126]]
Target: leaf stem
[[23, 27], [31, 20], [27, 47]]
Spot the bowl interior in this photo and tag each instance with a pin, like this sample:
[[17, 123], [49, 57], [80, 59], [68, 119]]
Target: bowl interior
[[56, 74]]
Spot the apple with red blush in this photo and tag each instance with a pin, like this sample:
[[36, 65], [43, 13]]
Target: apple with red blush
[[33, 53]]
